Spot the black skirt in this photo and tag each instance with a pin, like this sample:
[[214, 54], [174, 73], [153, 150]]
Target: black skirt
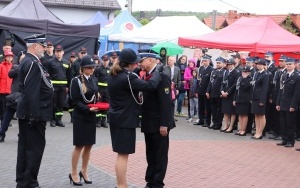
[[256, 109], [123, 140], [84, 132], [227, 106], [243, 108]]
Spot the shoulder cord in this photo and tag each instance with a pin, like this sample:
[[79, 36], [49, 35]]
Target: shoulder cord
[[47, 82], [82, 94], [140, 93]]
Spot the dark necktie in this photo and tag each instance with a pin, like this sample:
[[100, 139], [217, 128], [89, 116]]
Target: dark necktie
[[288, 76]]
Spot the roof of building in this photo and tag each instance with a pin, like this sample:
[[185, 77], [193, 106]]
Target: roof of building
[[219, 21], [86, 4]]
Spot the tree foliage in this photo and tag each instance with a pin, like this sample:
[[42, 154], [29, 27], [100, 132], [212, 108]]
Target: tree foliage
[[289, 26]]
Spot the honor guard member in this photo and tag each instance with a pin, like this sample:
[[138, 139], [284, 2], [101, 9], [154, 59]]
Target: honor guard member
[[274, 96], [157, 121], [60, 73], [203, 102], [213, 93], [260, 85], [49, 53], [113, 58], [33, 111], [271, 66], [250, 63], [288, 103], [102, 73], [230, 77], [76, 65]]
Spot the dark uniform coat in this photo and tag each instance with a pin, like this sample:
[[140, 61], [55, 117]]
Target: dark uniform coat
[[204, 79], [229, 86], [243, 95], [214, 86], [260, 86]]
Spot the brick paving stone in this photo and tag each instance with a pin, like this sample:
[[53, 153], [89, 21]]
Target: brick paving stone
[[199, 157]]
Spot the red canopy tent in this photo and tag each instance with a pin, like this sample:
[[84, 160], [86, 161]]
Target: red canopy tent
[[247, 34]]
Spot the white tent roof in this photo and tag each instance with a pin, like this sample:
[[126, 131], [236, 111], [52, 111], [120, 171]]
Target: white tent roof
[[163, 29]]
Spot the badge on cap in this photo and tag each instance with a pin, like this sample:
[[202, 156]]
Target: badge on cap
[[167, 90]]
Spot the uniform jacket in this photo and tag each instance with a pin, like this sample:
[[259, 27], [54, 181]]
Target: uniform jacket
[[214, 86], [276, 85], [123, 110], [35, 100], [289, 95], [157, 107], [176, 77], [243, 90], [5, 81], [260, 83], [204, 79], [81, 110], [229, 82], [272, 68], [46, 59], [59, 71]]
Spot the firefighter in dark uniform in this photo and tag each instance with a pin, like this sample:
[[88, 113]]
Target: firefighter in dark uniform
[[49, 53], [76, 65], [60, 73], [288, 103], [213, 93], [33, 111], [274, 96], [157, 120], [203, 102], [102, 73]]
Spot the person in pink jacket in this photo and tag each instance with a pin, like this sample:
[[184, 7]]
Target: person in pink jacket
[[5, 81], [187, 77]]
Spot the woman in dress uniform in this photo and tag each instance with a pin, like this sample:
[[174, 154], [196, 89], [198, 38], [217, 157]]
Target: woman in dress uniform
[[260, 84], [84, 91], [124, 109], [227, 91], [242, 99]]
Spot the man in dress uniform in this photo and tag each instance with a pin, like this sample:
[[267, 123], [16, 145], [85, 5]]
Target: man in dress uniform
[[250, 63], [102, 73], [60, 73], [274, 96], [288, 103], [33, 111], [157, 120], [76, 65], [203, 102], [213, 93], [49, 54]]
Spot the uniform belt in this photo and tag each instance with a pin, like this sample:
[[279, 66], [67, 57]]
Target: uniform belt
[[102, 84], [59, 82]]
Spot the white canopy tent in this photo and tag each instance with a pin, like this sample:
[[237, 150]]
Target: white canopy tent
[[162, 29]]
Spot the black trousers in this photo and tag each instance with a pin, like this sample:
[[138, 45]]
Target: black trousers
[[287, 126], [269, 116], [275, 119], [157, 149], [204, 109], [31, 145], [216, 111], [59, 97]]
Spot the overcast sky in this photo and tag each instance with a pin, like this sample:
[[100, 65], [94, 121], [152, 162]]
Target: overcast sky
[[252, 6]]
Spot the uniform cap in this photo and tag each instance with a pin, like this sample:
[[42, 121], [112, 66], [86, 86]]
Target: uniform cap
[[59, 48], [236, 55], [36, 38], [158, 57], [146, 55], [283, 58], [220, 59], [114, 54], [290, 60], [73, 54], [230, 61], [49, 43], [250, 59], [146, 51], [268, 53], [261, 62], [82, 49], [87, 61], [127, 55], [95, 57], [246, 69], [105, 57], [206, 57]]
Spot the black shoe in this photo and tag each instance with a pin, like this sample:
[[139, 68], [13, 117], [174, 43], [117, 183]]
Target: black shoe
[[199, 123], [1, 138], [243, 134], [237, 133], [256, 138], [85, 181], [228, 131], [59, 123], [282, 143], [289, 145], [52, 123], [74, 183], [104, 124], [298, 149]]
